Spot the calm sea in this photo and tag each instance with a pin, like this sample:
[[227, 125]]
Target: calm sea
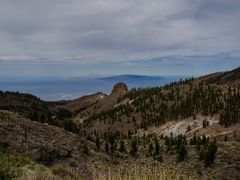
[[70, 88]]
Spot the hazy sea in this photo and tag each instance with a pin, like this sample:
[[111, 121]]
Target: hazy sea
[[69, 88]]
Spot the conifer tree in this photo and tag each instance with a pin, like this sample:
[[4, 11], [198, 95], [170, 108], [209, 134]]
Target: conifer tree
[[134, 148], [150, 149], [122, 148], [210, 154], [225, 138], [97, 142], [107, 147], [157, 147], [182, 153]]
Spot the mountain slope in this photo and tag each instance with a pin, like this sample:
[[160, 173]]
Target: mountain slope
[[103, 105], [150, 107], [65, 154], [224, 78], [46, 145], [22, 103], [190, 127], [83, 102]]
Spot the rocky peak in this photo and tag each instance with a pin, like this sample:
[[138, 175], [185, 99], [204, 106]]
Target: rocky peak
[[119, 88]]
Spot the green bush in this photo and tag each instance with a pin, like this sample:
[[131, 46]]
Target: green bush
[[6, 170]]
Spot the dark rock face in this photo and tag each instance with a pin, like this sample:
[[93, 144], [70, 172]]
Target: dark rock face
[[119, 88]]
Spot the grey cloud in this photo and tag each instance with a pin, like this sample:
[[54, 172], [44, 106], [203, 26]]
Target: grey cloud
[[108, 30]]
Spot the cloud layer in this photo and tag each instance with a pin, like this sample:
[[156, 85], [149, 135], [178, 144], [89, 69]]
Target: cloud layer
[[107, 32]]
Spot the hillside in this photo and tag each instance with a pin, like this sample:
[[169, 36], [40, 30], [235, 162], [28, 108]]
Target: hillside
[[25, 104], [33, 108], [83, 102], [103, 105], [187, 129], [147, 107], [57, 154], [46, 145], [224, 78]]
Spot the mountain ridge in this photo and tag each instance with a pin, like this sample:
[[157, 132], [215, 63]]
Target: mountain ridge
[[132, 77], [129, 78], [231, 77]]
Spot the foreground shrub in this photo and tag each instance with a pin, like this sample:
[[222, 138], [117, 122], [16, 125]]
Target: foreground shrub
[[10, 165]]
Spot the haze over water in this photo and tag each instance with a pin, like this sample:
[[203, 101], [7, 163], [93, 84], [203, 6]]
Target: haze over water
[[69, 88]]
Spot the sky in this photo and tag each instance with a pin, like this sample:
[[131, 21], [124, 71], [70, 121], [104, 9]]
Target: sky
[[68, 38]]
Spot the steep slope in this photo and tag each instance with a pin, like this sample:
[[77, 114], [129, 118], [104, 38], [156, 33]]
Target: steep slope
[[33, 108], [39, 141], [25, 104], [65, 153]]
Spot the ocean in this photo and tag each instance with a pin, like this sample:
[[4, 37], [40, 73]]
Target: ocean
[[53, 89]]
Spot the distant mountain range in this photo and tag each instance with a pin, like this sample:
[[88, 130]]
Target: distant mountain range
[[132, 77]]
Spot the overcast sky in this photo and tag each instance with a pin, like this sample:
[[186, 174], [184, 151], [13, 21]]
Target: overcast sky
[[106, 37]]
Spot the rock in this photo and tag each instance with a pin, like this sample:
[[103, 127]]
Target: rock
[[120, 88]]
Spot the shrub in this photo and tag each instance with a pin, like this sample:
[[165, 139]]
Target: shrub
[[10, 164]]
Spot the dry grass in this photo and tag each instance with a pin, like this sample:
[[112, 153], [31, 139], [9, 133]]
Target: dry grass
[[137, 173]]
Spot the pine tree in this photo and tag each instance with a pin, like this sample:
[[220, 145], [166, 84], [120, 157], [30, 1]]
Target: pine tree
[[157, 153], [112, 149], [150, 149], [182, 152], [157, 147], [210, 154], [97, 142], [225, 138], [205, 123], [201, 155], [122, 148], [85, 149], [193, 141], [106, 147], [198, 147], [134, 148]]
